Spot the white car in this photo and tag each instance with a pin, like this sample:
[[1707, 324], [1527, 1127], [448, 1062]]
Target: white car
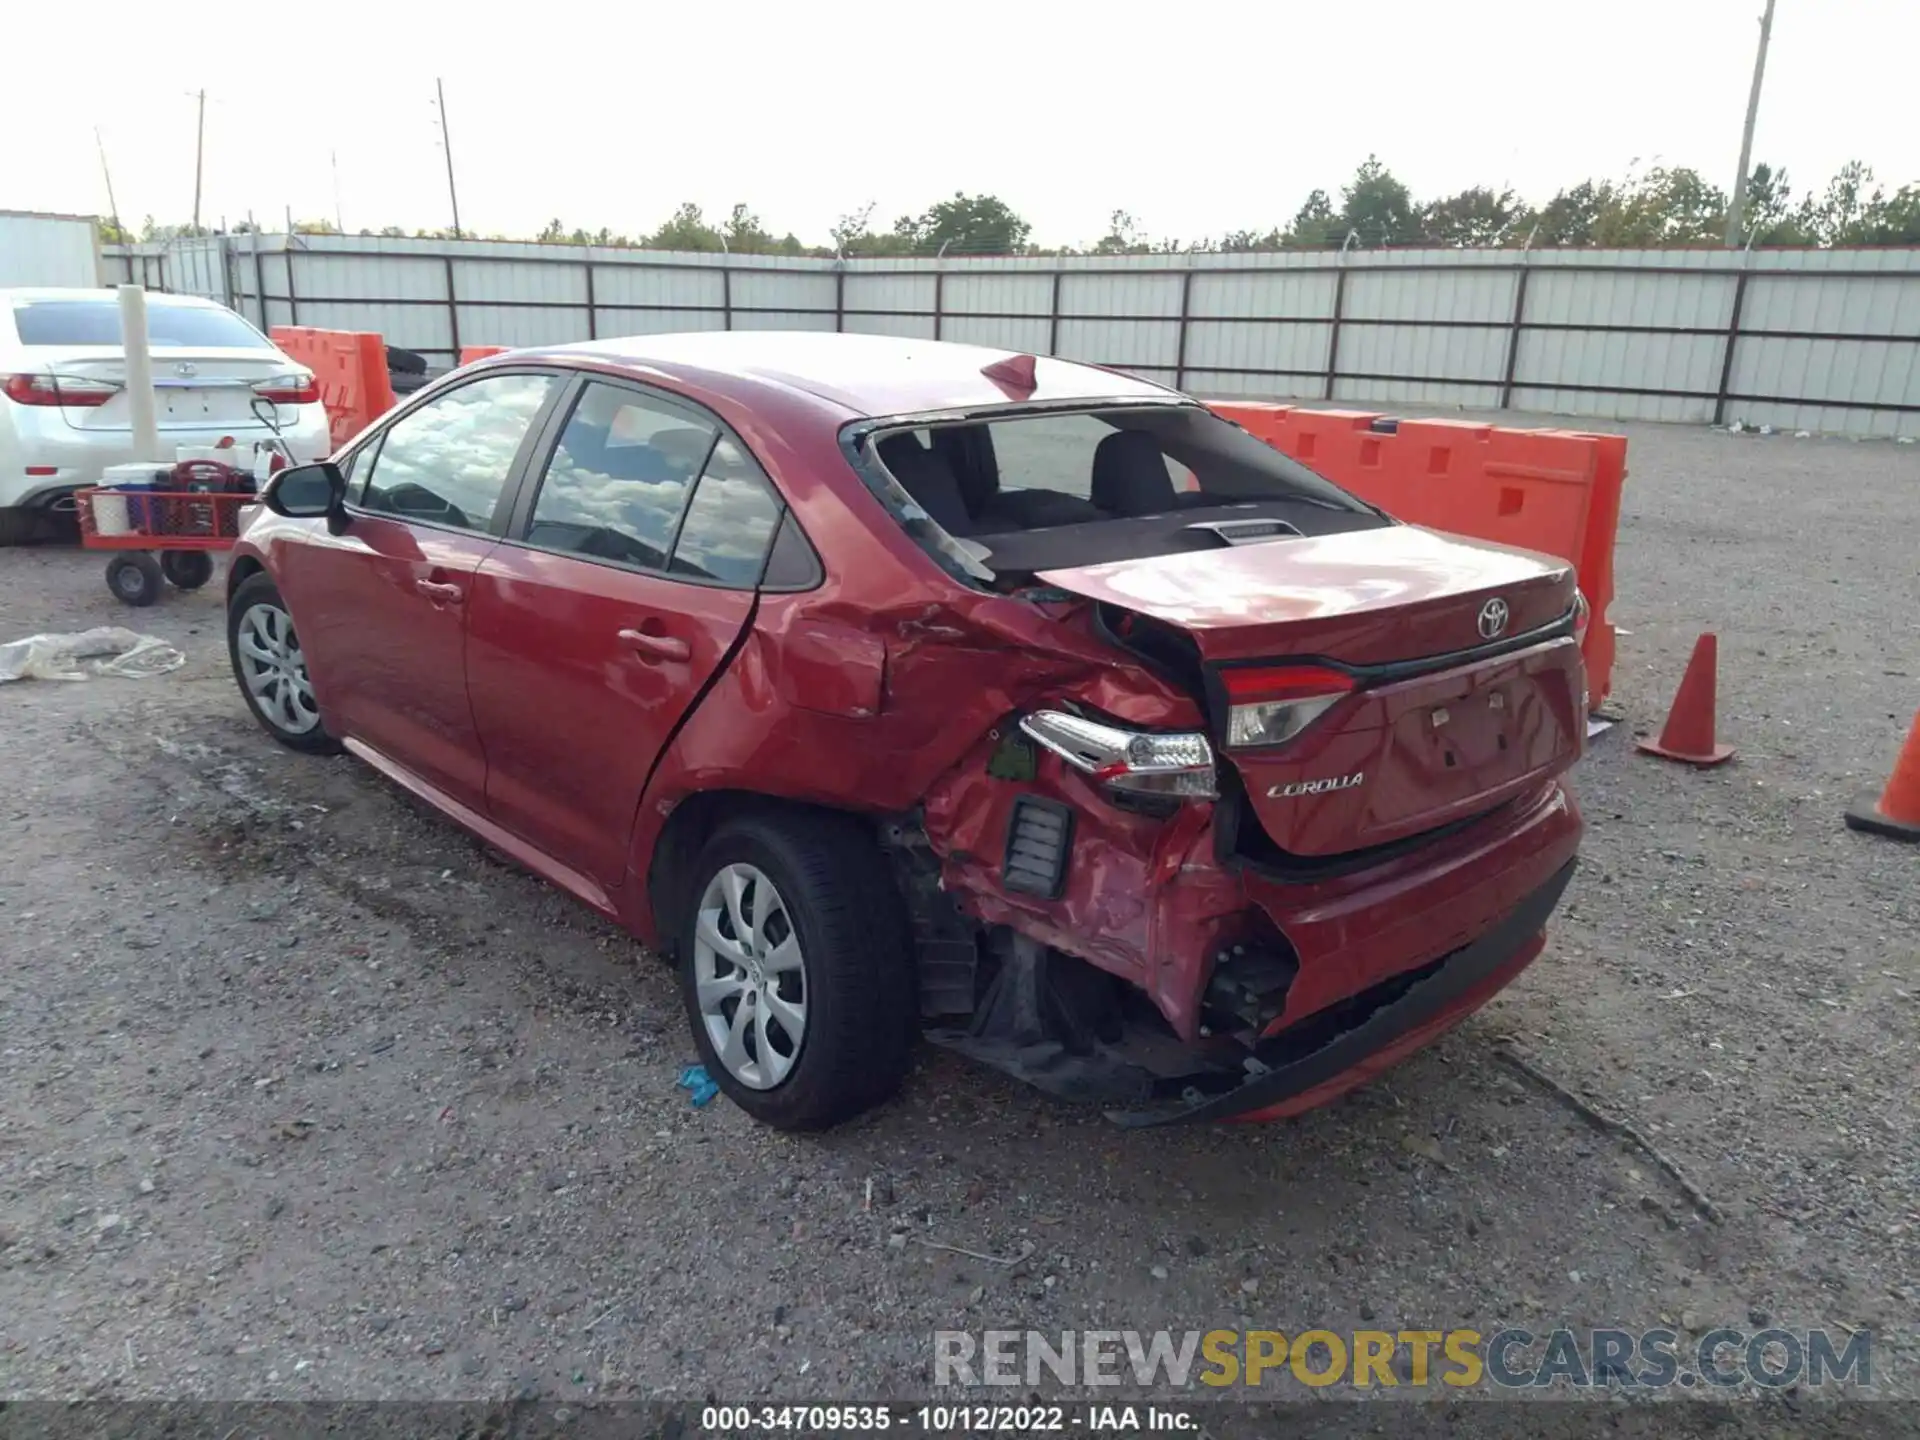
[[64, 414]]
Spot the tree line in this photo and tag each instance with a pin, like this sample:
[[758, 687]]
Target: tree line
[[1661, 207]]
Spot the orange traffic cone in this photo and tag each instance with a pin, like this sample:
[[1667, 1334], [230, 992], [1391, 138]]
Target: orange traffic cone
[[1896, 811], [1688, 733]]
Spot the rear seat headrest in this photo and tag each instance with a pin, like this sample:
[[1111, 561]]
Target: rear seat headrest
[[929, 479], [1130, 475]]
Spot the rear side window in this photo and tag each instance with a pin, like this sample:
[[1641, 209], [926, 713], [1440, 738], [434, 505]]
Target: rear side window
[[97, 322], [448, 462], [637, 480], [619, 478], [730, 522]]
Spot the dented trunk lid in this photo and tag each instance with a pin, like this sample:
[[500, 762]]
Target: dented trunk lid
[[1450, 716]]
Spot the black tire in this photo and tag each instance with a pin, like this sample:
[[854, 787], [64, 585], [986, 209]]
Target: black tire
[[256, 590], [18, 526], [405, 382], [134, 578], [407, 362], [186, 569], [860, 991]]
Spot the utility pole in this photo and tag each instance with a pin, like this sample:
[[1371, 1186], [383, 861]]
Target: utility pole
[[199, 154], [1736, 212], [113, 206], [446, 137], [333, 157]]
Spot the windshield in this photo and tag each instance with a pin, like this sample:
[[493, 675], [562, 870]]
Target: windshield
[[1045, 490], [97, 322]]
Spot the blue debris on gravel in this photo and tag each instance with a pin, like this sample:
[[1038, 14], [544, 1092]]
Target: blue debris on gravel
[[698, 1084]]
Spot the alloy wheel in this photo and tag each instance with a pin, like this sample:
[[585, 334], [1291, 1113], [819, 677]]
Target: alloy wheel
[[750, 976], [274, 670]]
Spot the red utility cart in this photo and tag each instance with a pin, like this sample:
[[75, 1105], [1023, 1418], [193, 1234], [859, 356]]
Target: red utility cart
[[189, 511]]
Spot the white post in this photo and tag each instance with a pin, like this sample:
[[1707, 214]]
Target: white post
[[140, 416]]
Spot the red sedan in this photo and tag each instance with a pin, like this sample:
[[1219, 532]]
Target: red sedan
[[897, 688]]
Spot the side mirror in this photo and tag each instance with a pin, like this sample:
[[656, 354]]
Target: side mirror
[[306, 492]]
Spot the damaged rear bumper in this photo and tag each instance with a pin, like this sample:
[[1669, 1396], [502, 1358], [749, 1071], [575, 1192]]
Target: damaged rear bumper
[[1357, 1040]]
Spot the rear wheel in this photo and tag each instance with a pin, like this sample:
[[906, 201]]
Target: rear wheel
[[796, 965], [187, 569], [18, 525], [134, 578], [272, 668]]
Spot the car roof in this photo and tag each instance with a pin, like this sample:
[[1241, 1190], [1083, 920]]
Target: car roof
[[35, 293], [859, 375]]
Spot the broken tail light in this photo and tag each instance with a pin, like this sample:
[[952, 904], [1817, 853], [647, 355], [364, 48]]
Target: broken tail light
[[1137, 761], [1582, 620], [1270, 705]]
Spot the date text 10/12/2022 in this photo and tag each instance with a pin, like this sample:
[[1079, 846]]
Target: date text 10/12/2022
[[955, 1419]]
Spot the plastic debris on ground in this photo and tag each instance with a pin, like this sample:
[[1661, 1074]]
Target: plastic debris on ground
[[103, 650], [698, 1084]]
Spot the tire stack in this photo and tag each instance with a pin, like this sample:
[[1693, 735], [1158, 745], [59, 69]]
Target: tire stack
[[406, 370]]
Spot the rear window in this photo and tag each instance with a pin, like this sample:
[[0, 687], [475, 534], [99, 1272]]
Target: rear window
[[97, 322], [1044, 490]]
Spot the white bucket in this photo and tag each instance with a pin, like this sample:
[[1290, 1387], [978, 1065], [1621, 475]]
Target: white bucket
[[110, 515]]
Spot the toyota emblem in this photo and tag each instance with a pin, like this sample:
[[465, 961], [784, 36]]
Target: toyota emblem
[[186, 367], [1493, 619]]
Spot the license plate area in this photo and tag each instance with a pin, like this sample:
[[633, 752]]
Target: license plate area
[[1470, 733], [203, 404]]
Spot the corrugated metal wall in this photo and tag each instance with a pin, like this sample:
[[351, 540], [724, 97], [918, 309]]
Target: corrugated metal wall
[[40, 249], [1826, 340]]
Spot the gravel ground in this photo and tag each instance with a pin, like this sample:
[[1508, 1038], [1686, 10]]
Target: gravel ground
[[305, 1095]]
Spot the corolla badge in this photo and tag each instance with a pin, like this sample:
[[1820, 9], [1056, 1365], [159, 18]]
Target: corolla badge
[[1316, 787], [1493, 619]]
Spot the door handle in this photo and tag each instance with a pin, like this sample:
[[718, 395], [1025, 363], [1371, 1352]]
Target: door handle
[[435, 590], [661, 647]]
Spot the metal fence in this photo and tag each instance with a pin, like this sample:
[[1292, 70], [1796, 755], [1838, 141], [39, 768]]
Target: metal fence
[[1798, 339]]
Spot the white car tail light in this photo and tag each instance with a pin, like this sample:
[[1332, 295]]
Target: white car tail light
[[295, 389], [77, 390], [1270, 705], [1178, 765]]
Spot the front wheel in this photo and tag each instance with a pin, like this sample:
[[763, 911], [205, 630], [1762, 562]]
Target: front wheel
[[272, 668], [134, 578], [796, 964]]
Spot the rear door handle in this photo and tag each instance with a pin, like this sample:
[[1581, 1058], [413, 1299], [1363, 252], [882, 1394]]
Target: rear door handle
[[661, 647], [435, 590]]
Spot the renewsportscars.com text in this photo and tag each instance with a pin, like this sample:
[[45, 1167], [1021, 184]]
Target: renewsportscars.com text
[[1509, 1359]]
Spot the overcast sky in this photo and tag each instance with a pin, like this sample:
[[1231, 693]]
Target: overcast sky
[[1198, 117]]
